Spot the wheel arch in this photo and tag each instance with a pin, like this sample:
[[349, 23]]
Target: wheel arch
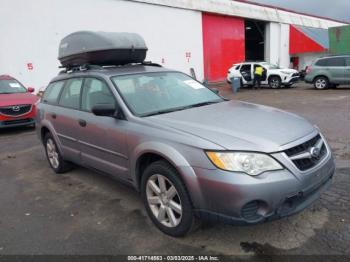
[[46, 127], [273, 75], [149, 152], [321, 75]]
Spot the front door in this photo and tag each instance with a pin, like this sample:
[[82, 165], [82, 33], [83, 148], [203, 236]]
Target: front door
[[102, 139]]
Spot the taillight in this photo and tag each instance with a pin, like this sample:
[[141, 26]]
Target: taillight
[[308, 69]]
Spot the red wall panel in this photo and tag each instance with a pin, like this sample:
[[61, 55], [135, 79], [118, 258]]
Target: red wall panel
[[223, 44], [301, 43]]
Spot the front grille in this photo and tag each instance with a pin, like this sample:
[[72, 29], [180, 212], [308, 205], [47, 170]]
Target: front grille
[[17, 121], [15, 110], [295, 74], [304, 155]]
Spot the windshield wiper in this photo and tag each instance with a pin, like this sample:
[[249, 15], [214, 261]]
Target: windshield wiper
[[163, 111], [179, 108], [203, 104]]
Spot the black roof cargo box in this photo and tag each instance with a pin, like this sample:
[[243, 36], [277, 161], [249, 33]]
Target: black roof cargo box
[[101, 48]]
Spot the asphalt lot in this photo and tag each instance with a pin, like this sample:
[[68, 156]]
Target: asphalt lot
[[83, 212]]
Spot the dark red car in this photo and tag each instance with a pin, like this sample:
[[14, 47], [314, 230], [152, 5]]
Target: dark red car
[[17, 104]]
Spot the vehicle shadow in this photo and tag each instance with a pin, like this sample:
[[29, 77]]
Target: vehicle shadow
[[14, 131]]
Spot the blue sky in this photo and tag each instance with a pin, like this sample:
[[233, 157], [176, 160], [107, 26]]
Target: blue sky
[[337, 9]]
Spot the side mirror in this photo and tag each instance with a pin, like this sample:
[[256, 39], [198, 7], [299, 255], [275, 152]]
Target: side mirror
[[104, 110], [31, 89], [216, 91]]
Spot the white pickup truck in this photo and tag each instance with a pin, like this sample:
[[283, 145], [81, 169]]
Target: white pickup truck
[[273, 75]]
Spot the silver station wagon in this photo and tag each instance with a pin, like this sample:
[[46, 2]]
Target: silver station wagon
[[192, 155]]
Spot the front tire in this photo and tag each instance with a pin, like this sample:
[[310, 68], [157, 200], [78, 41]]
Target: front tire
[[321, 83], [54, 156], [166, 199], [275, 82]]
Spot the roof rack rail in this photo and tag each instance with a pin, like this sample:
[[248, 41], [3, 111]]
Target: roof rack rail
[[84, 67]]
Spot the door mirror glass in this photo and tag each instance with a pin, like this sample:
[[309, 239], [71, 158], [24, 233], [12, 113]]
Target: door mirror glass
[[104, 110], [215, 90]]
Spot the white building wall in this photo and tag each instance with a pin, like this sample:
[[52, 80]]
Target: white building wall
[[277, 44], [31, 32]]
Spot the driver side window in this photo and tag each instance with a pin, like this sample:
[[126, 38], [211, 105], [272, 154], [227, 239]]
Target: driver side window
[[96, 92]]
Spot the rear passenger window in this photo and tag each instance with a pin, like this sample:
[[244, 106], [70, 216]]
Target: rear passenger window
[[71, 94], [336, 61], [246, 68], [52, 92], [95, 92], [347, 60]]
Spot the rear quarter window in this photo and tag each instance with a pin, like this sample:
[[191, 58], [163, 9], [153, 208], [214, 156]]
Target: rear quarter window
[[52, 92], [321, 62]]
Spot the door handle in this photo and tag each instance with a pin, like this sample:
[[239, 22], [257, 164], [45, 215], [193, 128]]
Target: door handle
[[53, 115], [82, 122]]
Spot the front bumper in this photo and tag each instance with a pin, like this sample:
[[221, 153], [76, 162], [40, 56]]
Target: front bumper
[[308, 79], [17, 122], [26, 119], [290, 80], [236, 198]]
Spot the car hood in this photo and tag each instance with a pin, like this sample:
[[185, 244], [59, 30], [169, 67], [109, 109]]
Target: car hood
[[287, 70], [236, 125], [17, 99]]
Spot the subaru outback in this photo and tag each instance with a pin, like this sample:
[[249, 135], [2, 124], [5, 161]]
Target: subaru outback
[[328, 72], [192, 155]]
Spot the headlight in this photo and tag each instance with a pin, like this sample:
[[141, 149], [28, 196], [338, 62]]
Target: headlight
[[250, 163]]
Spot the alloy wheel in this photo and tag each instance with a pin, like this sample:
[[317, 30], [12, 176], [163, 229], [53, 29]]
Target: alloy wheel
[[274, 83], [52, 153], [320, 83], [164, 200]]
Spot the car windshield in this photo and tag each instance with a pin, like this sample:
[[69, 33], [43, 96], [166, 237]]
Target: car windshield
[[9, 86], [162, 92]]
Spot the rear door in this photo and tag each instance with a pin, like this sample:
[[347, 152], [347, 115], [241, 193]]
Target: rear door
[[66, 119], [246, 72], [347, 70], [336, 68], [102, 139]]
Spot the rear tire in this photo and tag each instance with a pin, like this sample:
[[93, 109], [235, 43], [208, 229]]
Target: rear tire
[[321, 83], [54, 156], [275, 82], [166, 199]]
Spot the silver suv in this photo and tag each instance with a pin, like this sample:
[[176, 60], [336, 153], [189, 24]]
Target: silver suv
[[189, 152], [329, 72]]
